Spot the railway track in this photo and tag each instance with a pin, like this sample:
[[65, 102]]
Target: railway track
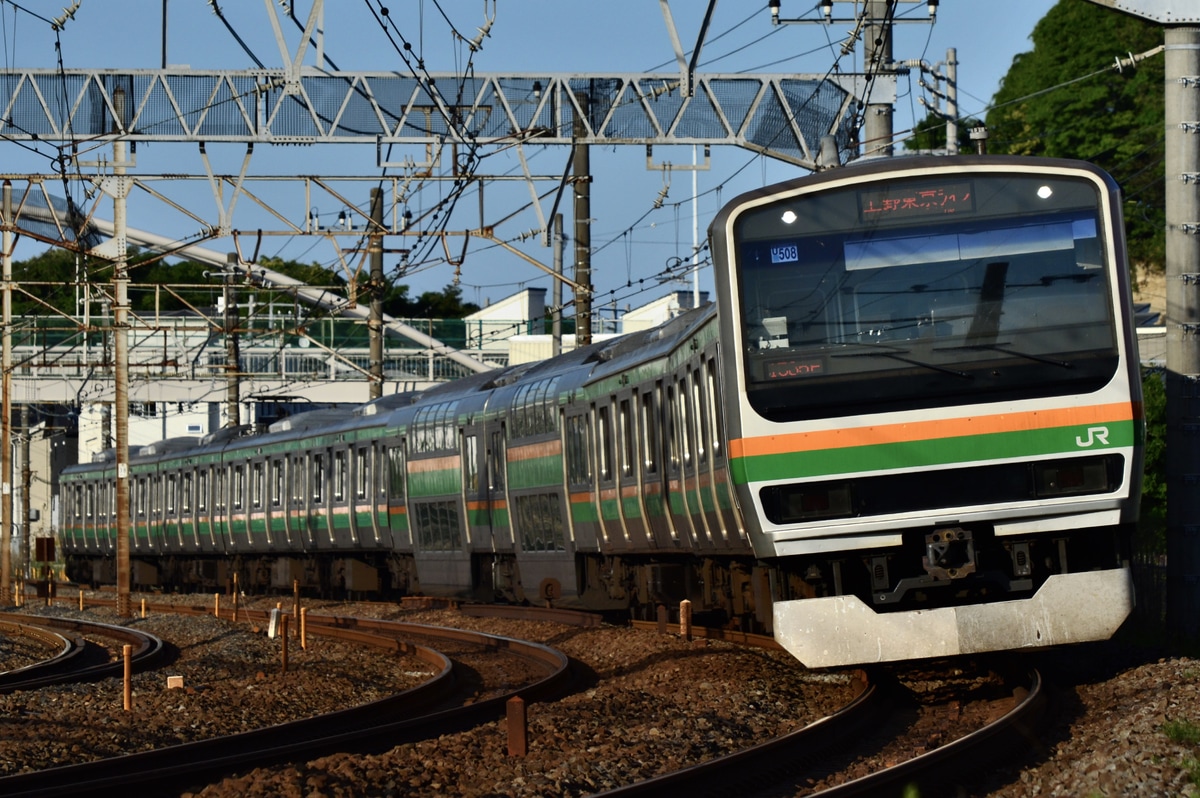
[[784, 766], [81, 653], [459, 696]]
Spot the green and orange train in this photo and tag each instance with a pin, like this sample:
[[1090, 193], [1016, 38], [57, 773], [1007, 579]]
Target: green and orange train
[[909, 426]]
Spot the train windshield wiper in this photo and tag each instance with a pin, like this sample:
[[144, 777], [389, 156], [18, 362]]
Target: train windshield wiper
[[1003, 349], [878, 350]]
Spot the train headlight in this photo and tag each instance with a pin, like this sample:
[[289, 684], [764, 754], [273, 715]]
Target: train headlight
[[788, 504], [1071, 477]]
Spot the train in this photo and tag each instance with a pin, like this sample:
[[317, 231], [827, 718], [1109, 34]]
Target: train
[[909, 426]]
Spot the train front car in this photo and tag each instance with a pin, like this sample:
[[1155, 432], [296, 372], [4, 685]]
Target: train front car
[[934, 404]]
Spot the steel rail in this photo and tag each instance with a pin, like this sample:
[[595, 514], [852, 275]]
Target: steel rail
[[148, 650], [371, 727]]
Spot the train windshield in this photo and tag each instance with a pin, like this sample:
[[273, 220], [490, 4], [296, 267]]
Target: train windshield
[[919, 292]]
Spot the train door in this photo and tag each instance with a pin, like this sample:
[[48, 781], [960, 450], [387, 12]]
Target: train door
[[274, 503], [629, 499], [362, 514], [239, 519], [398, 521], [258, 516], [692, 448], [651, 449], [582, 497], [342, 533], [298, 479]]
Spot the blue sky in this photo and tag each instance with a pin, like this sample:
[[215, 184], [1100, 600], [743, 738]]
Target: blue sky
[[571, 36]]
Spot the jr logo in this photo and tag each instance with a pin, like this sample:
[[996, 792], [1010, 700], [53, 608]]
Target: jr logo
[[1094, 435]]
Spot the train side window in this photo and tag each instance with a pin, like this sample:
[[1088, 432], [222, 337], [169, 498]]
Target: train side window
[[339, 476], [276, 482], [318, 478], [683, 410], [220, 479], [627, 439], [698, 402], [172, 488], [396, 471], [256, 485], [140, 490], [91, 501], [668, 411], [604, 435], [470, 463], [715, 420], [362, 473], [649, 437], [202, 489], [186, 495], [496, 461], [238, 476], [579, 450]]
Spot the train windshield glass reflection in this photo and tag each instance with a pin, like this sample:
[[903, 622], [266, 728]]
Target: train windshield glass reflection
[[924, 292]]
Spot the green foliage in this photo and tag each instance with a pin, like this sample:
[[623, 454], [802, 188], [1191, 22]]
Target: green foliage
[[444, 304], [930, 134], [1182, 731], [1051, 104], [1152, 525]]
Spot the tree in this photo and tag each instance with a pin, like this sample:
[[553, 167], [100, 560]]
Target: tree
[[1058, 100], [930, 134]]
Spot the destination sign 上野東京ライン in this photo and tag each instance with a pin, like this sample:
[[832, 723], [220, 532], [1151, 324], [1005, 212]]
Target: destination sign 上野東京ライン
[[909, 201]]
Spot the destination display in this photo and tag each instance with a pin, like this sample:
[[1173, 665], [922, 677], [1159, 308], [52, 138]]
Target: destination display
[[899, 201]]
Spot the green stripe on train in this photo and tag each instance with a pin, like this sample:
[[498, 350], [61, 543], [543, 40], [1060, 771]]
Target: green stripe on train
[[924, 454], [536, 472]]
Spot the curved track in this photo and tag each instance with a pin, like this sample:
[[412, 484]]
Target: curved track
[[78, 660], [439, 706]]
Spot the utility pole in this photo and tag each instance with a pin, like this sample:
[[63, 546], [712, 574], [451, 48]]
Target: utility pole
[[6, 596], [233, 354], [375, 321], [1182, 120], [556, 294], [582, 184], [877, 124], [26, 479], [119, 190]]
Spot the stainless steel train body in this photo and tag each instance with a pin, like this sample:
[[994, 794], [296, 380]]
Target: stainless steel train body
[[909, 432]]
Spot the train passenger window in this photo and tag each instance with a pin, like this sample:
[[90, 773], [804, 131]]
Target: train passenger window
[[256, 485], [238, 476], [540, 521], [470, 463], [395, 457], [185, 497], [604, 434], [220, 480], [683, 409], [202, 489], [276, 482], [715, 421], [296, 479], [91, 501], [318, 478], [672, 430], [649, 437], [578, 450], [362, 474], [339, 476], [436, 525], [496, 461], [141, 491], [699, 416], [627, 440], [172, 487]]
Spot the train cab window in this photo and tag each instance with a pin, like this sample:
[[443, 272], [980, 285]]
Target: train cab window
[[395, 456], [470, 463], [578, 450], [339, 476], [256, 485], [362, 474], [277, 483], [604, 441], [318, 478]]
